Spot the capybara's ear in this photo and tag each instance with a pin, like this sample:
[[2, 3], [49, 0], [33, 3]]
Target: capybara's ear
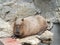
[[22, 19]]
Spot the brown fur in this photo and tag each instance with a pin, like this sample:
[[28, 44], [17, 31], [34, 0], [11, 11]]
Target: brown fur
[[31, 25]]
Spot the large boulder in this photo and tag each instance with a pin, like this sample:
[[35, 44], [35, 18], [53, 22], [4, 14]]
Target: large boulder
[[5, 29]]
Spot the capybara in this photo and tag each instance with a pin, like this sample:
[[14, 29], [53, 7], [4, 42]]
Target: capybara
[[30, 26]]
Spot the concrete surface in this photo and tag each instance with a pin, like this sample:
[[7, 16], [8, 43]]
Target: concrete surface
[[56, 31]]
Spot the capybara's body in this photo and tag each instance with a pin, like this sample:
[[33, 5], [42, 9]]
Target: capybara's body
[[30, 26]]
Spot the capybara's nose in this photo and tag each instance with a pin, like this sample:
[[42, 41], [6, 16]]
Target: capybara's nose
[[17, 32]]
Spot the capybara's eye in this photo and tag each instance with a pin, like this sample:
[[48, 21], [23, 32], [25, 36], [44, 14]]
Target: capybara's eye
[[22, 19]]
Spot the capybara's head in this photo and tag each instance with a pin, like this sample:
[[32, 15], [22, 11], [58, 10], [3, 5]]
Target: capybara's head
[[17, 26]]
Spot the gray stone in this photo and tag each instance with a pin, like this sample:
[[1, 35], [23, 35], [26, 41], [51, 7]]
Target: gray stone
[[5, 29]]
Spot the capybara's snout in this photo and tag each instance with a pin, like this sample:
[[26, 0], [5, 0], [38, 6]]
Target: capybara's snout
[[16, 30]]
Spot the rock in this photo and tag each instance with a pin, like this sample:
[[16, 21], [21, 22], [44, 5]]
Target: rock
[[9, 3], [20, 10], [58, 14], [46, 7], [1, 6], [24, 10], [46, 35], [30, 40], [5, 29]]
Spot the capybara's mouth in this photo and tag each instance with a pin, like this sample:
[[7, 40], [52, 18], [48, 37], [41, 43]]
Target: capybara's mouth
[[17, 35]]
